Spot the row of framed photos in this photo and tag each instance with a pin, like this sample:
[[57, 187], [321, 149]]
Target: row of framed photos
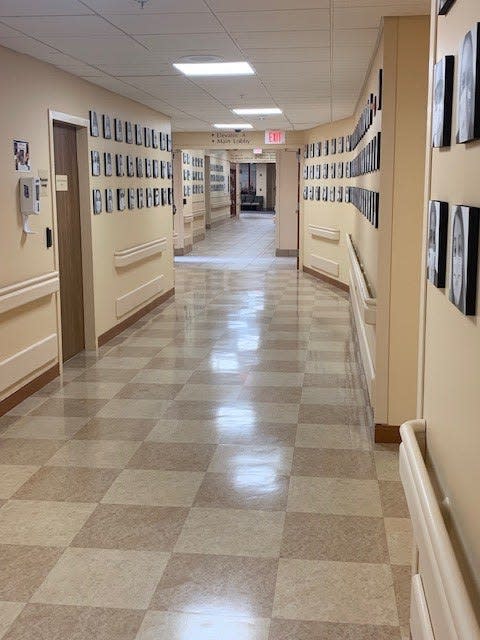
[[462, 235], [195, 161], [130, 166], [124, 131], [325, 194], [133, 198], [366, 202], [215, 177], [367, 116], [217, 187], [217, 167], [324, 171], [368, 160], [194, 189], [325, 148], [192, 175], [468, 95]]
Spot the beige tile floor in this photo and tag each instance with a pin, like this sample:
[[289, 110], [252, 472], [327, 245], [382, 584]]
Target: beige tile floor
[[209, 474]]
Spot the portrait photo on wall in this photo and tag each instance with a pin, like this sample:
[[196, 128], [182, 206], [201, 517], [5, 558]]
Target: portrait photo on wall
[[107, 127], [93, 124], [437, 243], [442, 102], [107, 158], [97, 201], [118, 130], [468, 109], [95, 155], [464, 258], [109, 200], [444, 6], [128, 132]]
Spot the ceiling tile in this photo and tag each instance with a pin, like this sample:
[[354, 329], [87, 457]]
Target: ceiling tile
[[166, 23], [192, 43], [153, 6], [277, 39], [42, 8], [292, 54], [267, 5], [296, 20], [62, 26], [99, 50]]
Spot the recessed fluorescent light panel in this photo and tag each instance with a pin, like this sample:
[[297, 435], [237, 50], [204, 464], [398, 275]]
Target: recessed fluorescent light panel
[[267, 111], [215, 68], [233, 126]]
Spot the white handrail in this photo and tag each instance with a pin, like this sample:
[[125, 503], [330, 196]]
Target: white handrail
[[368, 304], [125, 257], [437, 557], [25, 291]]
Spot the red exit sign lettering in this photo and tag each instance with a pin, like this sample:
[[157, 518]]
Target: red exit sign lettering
[[273, 136]]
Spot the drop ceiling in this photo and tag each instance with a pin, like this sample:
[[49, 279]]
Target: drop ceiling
[[310, 56]]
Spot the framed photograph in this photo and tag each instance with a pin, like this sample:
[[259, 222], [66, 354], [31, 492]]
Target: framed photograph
[[340, 144], [140, 198], [339, 194], [444, 6], [156, 197], [464, 259], [118, 130], [21, 155], [139, 167], [120, 165], [332, 194], [109, 200], [121, 199], [170, 195], [131, 198], [148, 136], [163, 169], [169, 170], [163, 141], [130, 167], [107, 127], [107, 160], [168, 142], [325, 171], [128, 132], [380, 89], [305, 193], [311, 172], [333, 170], [333, 145], [149, 196], [347, 194], [442, 102], [325, 147], [163, 196], [155, 171], [347, 143], [340, 170], [154, 139], [95, 155], [138, 134], [97, 201], [93, 124], [437, 242], [468, 110], [148, 168]]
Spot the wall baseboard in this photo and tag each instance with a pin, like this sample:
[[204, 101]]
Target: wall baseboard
[[124, 324], [387, 433], [183, 251], [286, 253], [28, 389], [325, 278]]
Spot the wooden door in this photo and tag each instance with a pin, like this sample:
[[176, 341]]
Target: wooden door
[[69, 240], [233, 190]]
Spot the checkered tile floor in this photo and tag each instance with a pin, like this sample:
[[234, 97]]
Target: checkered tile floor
[[209, 474]]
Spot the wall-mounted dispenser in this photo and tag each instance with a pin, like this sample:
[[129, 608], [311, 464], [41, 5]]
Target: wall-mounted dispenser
[[29, 200]]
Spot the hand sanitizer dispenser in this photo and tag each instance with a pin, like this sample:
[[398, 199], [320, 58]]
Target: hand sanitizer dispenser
[[30, 196], [29, 200]]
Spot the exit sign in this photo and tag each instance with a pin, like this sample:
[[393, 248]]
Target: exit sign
[[273, 136]]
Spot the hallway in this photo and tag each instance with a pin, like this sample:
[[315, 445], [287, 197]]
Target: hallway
[[210, 474]]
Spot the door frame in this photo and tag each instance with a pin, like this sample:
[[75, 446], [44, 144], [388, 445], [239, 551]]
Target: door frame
[[81, 126]]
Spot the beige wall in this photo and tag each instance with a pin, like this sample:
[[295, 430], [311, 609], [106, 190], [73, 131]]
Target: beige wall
[[286, 219], [189, 219], [34, 88], [451, 401], [219, 200]]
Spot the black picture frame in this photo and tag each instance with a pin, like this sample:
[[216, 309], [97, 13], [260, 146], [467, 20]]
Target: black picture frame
[[140, 198], [131, 198], [109, 200], [380, 90], [130, 167], [148, 137], [120, 165], [128, 132], [468, 106], [93, 123], [121, 204], [155, 170], [154, 139], [118, 130], [96, 201], [148, 168], [138, 134], [156, 197], [444, 6], [139, 162], [95, 158], [107, 127], [464, 258], [442, 102], [107, 162], [149, 197], [437, 237]]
